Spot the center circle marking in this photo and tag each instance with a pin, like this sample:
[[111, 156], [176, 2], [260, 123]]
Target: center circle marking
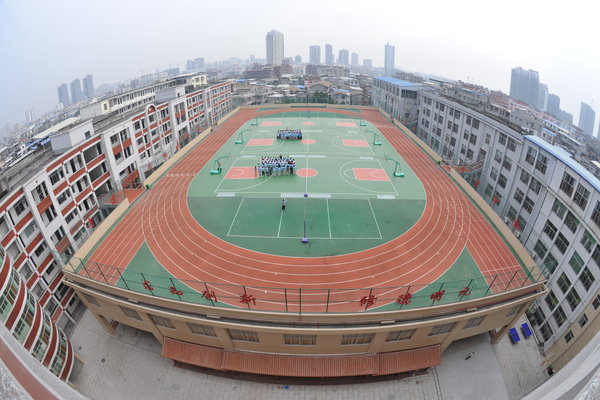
[[307, 172]]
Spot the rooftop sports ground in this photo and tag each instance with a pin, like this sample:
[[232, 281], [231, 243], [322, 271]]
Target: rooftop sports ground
[[371, 223]]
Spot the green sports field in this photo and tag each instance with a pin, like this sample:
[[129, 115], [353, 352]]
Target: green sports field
[[354, 200]]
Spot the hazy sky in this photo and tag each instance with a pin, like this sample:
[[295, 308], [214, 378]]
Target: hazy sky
[[46, 42]]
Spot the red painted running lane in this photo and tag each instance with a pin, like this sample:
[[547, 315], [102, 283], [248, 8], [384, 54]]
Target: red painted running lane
[[420, 256]]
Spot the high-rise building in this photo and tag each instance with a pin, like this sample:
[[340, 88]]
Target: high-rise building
[[298, 59], [543, 97], [587, 117], [88, 86], [63, 95], [315, 54], [274, 47], [329, 55], [390, 53], [553, 105], [354, 59], [525, 85], [367, 63], [30, 115], [344, 57], [76, 94]]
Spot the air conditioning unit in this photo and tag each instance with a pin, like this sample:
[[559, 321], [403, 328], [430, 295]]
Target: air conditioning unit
[[518, 234], [506, 220]]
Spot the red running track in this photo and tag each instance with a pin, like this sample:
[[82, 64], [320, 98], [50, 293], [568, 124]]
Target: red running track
[[450, 222]]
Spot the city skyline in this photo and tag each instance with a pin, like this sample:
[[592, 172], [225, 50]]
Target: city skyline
[[450, 50]]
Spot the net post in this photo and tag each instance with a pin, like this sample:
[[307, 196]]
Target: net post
[[102, 273], [286, 301], [173, 284], [208, 291], [490, 285], [511, 279], [463, 294], [327, 304], [299, 301], [121, 277]]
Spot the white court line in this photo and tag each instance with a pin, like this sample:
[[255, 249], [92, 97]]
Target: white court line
[[235, 216], [320, 195], [375, 218], [280, 219], [386, 197], [328, 218], [311, 238], [365, 158], [292, 195], [226, 194]]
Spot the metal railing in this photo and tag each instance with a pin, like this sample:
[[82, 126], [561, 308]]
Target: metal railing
[[304, 299]]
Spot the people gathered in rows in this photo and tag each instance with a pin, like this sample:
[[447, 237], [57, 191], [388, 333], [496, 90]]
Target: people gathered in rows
[[275, 166], [286, 134]]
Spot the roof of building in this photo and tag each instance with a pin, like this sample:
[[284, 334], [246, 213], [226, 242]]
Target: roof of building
[[56, 128], [566, 158], [398, 82]]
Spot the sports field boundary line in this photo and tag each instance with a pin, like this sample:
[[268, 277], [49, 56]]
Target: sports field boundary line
[[328, 217], [235, 216], [298, 237], [374, 218]]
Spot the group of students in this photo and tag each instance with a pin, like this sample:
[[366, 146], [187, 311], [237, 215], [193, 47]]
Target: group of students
[[285, 134], [275, 166]]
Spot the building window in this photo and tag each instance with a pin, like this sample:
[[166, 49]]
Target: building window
[[511, 214], [537, 316], [550, 229], [550, 264], [563, 283], [587, 241], [541, 163], [540, 249], [162, 321], [581, 196], [535, 185], [502, 181], [91, 299], [494, 174], [488, 190], [559, 316], [519, 195], [596, 256], [203, 330], [507, 163], [568, 337], [243, 336], [528, 205], [546, 331], [596, 214], [358, 338], [399, 336], [512, 145], [442, 329], [586, 278], [573, 299], [576, 262], [524, 177], [567, 184], [559, 209], [551, 300], [571, 222], [596, 302], [583, 321], [473, 322], [531, 154], [300, 340], [561, 243], [131, 313]]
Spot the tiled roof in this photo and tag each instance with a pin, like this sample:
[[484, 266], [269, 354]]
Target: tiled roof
[[302, 365]]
